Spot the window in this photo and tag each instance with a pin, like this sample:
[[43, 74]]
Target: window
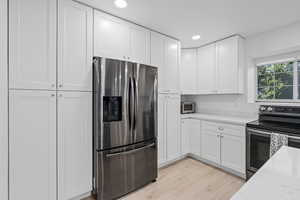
[[278, 81]]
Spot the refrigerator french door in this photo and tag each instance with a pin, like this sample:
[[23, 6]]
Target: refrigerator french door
[[125, 126]]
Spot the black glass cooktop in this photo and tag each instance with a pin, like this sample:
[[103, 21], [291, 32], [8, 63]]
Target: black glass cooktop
[[280, 127]]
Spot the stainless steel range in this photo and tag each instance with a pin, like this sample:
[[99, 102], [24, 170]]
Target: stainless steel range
[[125, 127], [272, 119]]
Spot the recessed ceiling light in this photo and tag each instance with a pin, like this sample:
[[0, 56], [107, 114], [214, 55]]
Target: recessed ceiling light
[[121, 3], [196, 37]]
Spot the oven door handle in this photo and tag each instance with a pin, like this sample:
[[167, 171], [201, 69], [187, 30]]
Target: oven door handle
[[258, 131]]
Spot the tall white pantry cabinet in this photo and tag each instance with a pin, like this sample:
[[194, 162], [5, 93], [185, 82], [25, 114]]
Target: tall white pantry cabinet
[[165, 54], [50, 81]]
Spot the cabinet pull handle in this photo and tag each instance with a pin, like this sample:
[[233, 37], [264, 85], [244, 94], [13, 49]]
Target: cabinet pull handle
[[60, 85], [53, 85], [52, 95]]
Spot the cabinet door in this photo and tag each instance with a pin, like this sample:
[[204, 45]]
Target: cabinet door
[[162, 145], [74, 144], [227, 65], [188, 71], [185, 134], [206, 70], [32, 148], [210, 146], [195, 136], [32, 39], [173, 127], [233, 153], [158, 57], [171, 75], [139, 45], [75, 46], [111, 37]]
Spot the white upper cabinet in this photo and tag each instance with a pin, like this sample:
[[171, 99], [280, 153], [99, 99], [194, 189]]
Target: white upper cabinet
[[157, 52], [74, 144], [158, 57], [75, 46], [139, 45], [118, 39], [111, 37], [219, 68], [171, 76], [32, 148], [229, 65], [32, 38], [188, 77], [165, 55], [206, 69]]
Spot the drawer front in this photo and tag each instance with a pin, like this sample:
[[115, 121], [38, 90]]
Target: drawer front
[[227, 129]]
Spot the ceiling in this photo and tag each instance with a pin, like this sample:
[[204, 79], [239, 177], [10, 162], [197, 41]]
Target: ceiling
[[212, 19]]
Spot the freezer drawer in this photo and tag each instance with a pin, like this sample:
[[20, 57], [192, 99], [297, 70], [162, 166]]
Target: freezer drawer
[[126, 169]]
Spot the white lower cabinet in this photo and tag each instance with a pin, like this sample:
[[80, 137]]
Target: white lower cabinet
[[169, 137], [219, 143], [32, 145], [210, 146], [233, 152], [190, 134], [50, 138], [74, 144]]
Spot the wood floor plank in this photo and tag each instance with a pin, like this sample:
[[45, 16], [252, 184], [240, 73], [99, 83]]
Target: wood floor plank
[[189, 180]]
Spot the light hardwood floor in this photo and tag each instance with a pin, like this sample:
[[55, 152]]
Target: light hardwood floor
[[189, 180]]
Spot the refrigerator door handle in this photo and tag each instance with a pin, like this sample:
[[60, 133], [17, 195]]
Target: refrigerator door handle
[[131, 104], [129, 152], [136, 94]]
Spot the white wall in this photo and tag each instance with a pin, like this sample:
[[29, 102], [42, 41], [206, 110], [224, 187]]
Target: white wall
[[272, 43], [3, 103]]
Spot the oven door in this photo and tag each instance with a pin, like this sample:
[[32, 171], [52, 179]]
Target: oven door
[[258, 148]]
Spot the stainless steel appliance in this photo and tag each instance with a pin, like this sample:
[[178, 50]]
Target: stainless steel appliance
[[188, 107], [272, 119], [125, 126]]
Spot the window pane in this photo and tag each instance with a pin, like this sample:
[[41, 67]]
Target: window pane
[[266, 93], [285, 78], [264, 69], [283, 67], [266, 80], [275, 81], [284, 92]]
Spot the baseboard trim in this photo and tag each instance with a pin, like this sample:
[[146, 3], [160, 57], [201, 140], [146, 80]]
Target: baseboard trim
[[171, 162], [233, 172]]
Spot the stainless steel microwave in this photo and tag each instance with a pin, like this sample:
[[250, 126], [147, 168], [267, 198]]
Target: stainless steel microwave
[[188, 107]]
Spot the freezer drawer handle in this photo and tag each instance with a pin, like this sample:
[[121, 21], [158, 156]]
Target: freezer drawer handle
[[129, 152]]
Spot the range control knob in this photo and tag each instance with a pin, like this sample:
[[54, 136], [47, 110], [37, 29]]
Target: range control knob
[[270, 109], [262, 108]]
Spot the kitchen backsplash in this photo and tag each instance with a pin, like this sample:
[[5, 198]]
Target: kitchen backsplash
[[235, 105]]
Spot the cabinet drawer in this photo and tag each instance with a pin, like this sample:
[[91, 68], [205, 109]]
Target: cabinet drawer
[[228, 129]]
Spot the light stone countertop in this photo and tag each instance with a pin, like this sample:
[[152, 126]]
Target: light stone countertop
[[237, 120], [278, 179]]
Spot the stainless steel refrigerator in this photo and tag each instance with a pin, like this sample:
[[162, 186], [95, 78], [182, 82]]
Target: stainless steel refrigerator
[[125, 126]]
